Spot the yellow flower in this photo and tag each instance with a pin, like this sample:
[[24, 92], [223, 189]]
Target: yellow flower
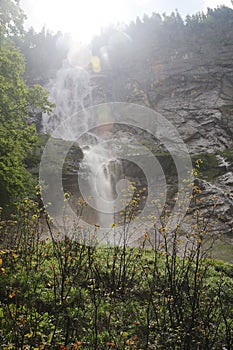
[[14, 256], [195, 172], [77, 345], [66, 196], [12, 294]]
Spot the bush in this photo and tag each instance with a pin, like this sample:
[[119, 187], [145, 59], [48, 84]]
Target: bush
[[63, 294]]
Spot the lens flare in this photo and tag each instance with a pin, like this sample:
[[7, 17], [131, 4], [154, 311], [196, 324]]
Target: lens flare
[[96, 65]]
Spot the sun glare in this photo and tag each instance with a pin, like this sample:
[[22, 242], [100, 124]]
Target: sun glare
[[83, 19]]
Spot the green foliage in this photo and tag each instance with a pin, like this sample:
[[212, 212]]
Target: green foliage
[[44, 53], [59, 293], [16, 137], [174, 19], [16, 99], [167, 32], [38, 99], [209, 168], [195, 20], [11, 18]]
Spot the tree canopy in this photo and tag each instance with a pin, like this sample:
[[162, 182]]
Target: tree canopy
[[16, 99], [11, 18]]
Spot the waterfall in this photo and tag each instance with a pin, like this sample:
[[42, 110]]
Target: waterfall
[[100, 170], [68, 91]]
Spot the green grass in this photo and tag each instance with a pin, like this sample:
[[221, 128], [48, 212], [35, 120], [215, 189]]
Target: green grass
[[209, 169], [223, 250]]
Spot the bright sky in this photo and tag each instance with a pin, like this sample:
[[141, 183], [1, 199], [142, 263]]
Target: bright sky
[[85, 18]]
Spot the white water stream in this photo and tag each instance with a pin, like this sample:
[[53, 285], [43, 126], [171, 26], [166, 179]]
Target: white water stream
[[69, 91]]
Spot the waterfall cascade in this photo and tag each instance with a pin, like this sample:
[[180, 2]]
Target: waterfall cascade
[[68, 91], [71, 92]]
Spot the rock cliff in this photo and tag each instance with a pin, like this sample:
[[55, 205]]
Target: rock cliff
[[189, 80]]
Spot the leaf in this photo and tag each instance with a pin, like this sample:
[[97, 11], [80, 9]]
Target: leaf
[[1, 313], [12, 294], [29, 335]]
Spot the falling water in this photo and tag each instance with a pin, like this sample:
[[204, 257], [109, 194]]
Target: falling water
[[71, 92], [100, 175]]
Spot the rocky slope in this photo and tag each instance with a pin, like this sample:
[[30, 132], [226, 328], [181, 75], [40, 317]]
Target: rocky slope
[[191, 84]]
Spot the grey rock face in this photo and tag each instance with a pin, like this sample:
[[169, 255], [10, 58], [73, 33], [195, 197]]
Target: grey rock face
[[193, 90], [192, 86]]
